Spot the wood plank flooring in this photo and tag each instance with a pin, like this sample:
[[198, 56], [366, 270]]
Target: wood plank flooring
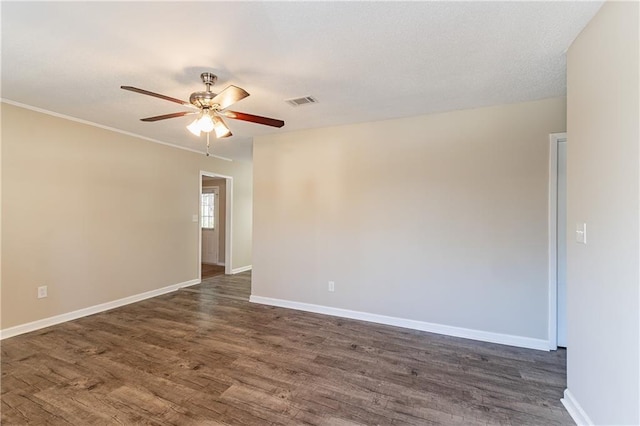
[[204, 355], [208, 270]]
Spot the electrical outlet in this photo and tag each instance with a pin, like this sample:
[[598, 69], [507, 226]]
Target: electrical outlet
[[42, 292], [332, 286]]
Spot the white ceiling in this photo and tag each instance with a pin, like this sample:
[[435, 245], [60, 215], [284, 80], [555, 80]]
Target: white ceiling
[[363, 61]]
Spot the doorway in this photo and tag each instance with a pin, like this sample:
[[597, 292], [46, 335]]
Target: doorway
[[557, 240], [215, 224], [211, 226]]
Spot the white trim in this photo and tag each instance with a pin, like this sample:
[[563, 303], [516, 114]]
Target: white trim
[[466, 333], [213, 263], [228, 229], [100, 126], [228, 226], [242, 269], [554, 139], [47, 322], [215, 190], [575, 410]]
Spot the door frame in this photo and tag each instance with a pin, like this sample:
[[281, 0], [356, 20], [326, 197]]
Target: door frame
[[215, 190], [554, 140], [228, 231]]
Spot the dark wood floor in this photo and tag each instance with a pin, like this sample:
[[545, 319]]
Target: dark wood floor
[[205, 356], [207, 270]]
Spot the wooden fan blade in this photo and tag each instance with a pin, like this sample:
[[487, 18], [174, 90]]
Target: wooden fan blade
[[156, 95], [165, 116], [253, 118], [229, 96]]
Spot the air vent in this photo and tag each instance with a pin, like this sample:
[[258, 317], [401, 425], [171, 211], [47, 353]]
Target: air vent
[[302, 101]]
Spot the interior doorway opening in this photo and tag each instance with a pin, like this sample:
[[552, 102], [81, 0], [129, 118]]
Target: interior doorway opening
[[215, 213]]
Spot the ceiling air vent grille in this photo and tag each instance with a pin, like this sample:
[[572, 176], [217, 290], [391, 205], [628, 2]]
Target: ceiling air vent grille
[[305, 100]]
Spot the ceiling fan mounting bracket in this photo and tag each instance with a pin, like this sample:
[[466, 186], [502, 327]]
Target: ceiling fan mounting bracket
[[209, 79]]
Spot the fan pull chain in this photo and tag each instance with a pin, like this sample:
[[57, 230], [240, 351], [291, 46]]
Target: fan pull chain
[[207, 144]]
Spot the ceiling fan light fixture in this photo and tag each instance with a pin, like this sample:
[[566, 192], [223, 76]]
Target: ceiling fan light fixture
[[220, 128], [194, 127], [206, 122]]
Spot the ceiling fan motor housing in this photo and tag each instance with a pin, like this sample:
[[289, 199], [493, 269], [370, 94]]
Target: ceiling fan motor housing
[[205, 99]]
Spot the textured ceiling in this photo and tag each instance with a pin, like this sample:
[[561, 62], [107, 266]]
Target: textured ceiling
[[363, 61]]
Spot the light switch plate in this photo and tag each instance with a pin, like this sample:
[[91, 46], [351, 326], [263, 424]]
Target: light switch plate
[[581, 233], [194, 218], [42, 292]]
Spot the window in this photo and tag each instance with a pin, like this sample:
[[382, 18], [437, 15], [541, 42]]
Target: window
[[207, 210]]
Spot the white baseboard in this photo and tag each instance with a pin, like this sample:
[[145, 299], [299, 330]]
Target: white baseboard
[[575, 409], [241, 269], [484, 336], [47, 322]]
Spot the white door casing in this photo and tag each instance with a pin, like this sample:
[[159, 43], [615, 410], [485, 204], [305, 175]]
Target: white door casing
[[557, 297], [210, 236], [562, 243]]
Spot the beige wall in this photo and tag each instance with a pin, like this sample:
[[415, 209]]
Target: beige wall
[[603, 191], [97, 215], [222, 211], [439, 218]]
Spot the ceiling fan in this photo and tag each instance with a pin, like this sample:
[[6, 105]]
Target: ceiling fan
[[210, 107]]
